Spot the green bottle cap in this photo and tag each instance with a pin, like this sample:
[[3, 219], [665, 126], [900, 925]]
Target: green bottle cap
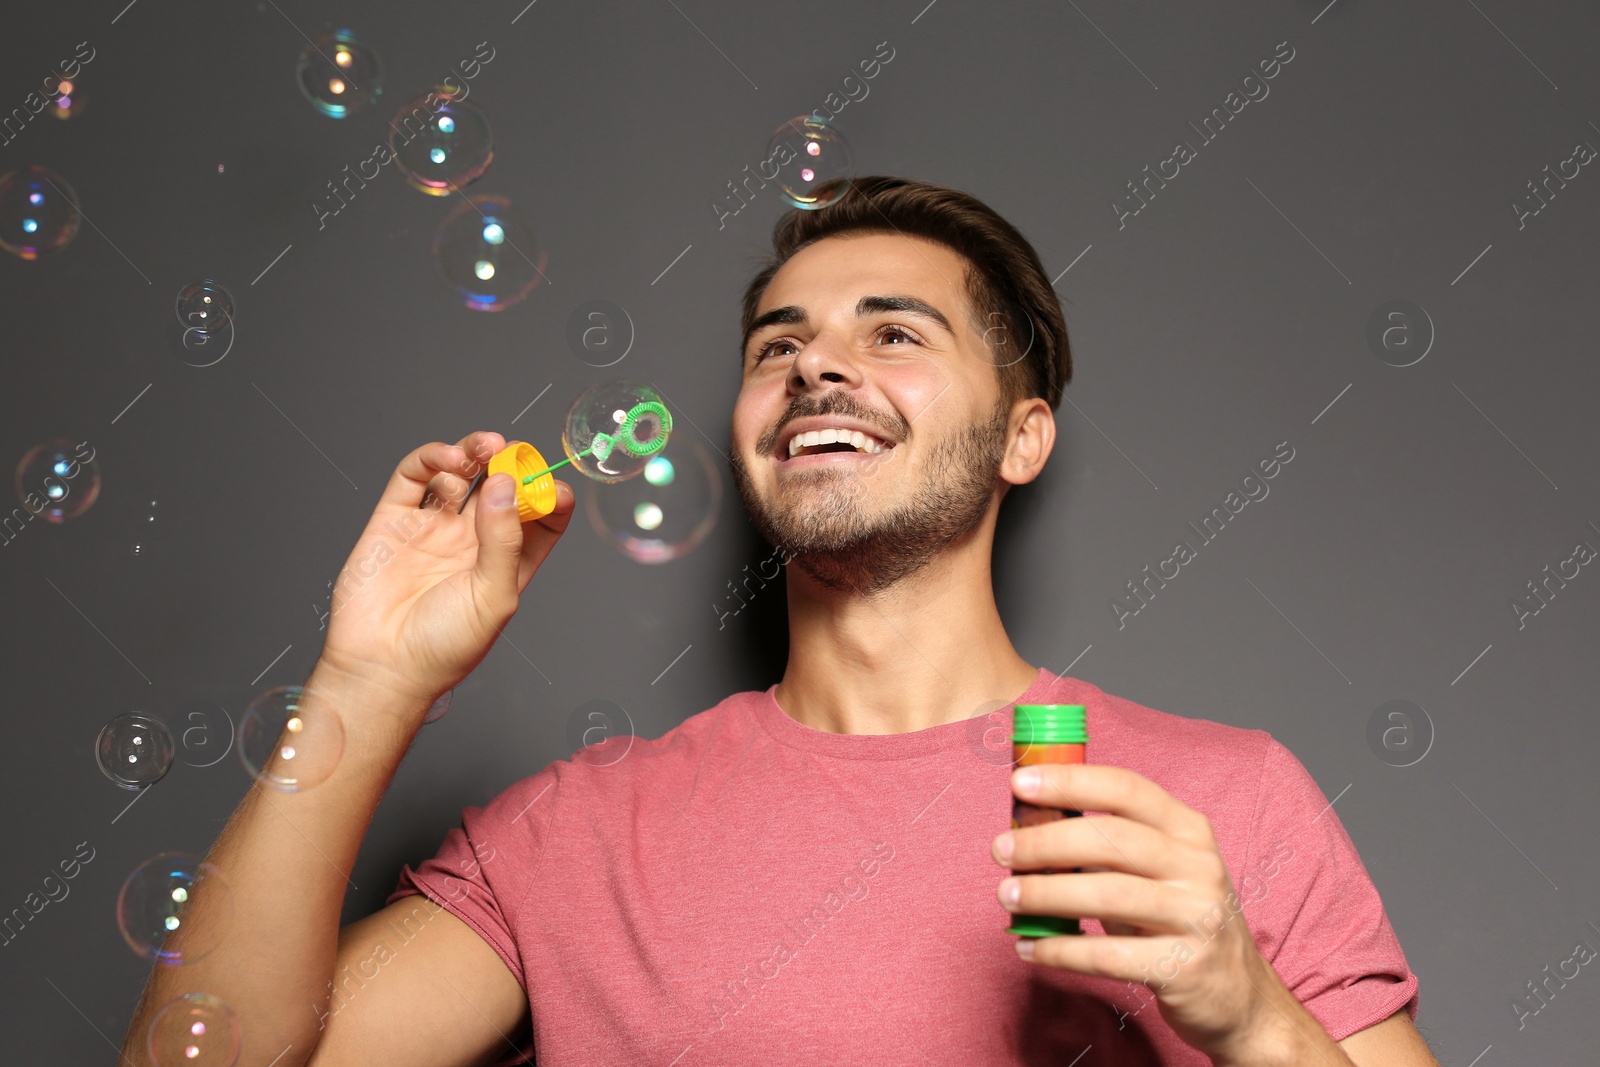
[[1049, 724]]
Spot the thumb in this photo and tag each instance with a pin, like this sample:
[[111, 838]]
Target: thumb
[[499, 529]]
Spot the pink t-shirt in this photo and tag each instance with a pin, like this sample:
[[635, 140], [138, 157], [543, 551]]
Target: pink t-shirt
[[747, 889]]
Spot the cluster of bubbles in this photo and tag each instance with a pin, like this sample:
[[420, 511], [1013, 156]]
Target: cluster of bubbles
[[144, 533], [38, 212], [338, 74], [54, 483], [808, 151], [653, 505], [488, 252], [153, 915]]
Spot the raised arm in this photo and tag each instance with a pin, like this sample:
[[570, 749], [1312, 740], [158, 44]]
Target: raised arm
[[417, 606]]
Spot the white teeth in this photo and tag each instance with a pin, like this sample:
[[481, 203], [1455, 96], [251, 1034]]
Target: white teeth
[[860, 441]]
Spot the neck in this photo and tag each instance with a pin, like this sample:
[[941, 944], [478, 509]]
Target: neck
[[926, 651]]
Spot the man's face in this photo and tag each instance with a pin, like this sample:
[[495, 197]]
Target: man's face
[[859, 347]]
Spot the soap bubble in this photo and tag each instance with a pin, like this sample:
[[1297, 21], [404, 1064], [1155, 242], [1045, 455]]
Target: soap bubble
[[489, 253], [154, 901], [667, 512], [69, 99], [54, 483], [808, 151], [134, 750], [441, 145], [288, 741], [197, 1028], [614, 428], [145, 533], [38, 212], [338, 73], [440, 706], [206, 313]]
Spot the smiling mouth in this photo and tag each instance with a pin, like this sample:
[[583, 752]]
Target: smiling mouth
[[832, 442]]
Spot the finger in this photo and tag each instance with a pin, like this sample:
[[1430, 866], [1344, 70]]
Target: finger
[[500, 541], [539, 537], [1154, 961], [1119, 898], [480, 447], [1109, 841], [410, 479], [1118, 790], [449, 488]]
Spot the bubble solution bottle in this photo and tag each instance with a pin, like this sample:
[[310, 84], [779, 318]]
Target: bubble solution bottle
[[1045, 733]]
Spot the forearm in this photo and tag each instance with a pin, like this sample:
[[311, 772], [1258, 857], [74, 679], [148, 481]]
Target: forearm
[[286, 858]]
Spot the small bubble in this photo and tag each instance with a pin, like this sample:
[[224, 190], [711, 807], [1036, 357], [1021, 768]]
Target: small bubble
[[134, 750], [815, 153], [338, 74]]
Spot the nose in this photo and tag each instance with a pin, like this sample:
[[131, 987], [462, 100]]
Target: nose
[[822, 363]]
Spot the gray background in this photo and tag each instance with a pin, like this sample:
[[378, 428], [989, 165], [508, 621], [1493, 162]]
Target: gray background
[[1224, 318]]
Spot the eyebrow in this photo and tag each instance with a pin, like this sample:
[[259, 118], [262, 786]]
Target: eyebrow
[[791, 314]]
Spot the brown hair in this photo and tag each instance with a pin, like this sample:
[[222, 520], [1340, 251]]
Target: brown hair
[[1005, 281]]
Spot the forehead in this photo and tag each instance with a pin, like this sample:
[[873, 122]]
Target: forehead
[[835, 271]]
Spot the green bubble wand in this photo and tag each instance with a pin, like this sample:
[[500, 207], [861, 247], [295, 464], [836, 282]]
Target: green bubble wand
[[601, 447]]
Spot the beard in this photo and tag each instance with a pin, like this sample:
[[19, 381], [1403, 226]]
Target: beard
[[843, 544]]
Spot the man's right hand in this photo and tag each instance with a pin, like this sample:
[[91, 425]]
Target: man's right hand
[[426, 591]]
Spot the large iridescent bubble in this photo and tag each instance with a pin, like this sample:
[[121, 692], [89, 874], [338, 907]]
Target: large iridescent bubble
[[153, 906], [614, 429], [808, 151], [488, 253], [665, 512], [441, 142]]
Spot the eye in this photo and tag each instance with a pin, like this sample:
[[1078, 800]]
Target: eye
[[899, 331], [766, 350]]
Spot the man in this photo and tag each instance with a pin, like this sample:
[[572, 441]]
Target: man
[[817, 873]]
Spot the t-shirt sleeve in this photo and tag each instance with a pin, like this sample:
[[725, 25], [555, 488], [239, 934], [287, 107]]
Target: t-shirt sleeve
[[1314, 911], [485, 868]]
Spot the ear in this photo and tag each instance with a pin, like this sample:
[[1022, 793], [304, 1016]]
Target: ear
[[1031, 435]]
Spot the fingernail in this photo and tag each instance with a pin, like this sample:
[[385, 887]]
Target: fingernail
[[1010, 892], [1002, 848], [1027, 779], [502, 494], [1025, 947]]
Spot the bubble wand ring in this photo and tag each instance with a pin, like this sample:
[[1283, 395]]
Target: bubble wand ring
[[536, 491]]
